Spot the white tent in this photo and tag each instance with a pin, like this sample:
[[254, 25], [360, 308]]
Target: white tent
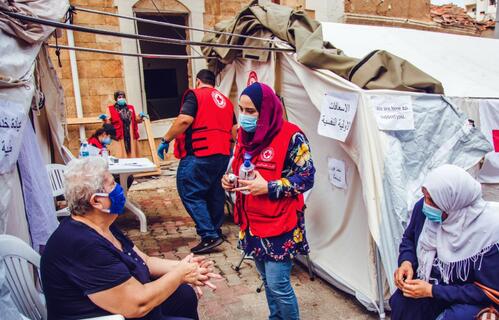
[[347, 227], [467, 66]]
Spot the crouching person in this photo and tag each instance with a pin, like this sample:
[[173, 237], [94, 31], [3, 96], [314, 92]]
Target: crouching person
[[451, 243], [90, 268]]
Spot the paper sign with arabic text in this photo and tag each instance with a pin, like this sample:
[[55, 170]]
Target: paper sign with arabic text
[[12, 122], [337, 114], [337, 173]]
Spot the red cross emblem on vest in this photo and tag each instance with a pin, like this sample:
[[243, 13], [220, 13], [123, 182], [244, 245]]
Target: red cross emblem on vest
[[218, 99], [252, 78], [267, 154]]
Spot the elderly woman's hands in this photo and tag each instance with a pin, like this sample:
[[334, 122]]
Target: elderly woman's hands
[[189, 270], [404, 272], [205, 274], [417, 289]]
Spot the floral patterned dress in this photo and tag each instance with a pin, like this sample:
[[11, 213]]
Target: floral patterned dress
[[298, 177]]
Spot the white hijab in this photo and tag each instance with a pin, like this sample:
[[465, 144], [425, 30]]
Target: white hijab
[[470, 230]]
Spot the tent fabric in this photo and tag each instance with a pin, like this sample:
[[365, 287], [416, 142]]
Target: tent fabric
[[53, 92], [38, 199], [376, 205], [21, 42], [459, 62], [489, 124], [31, 32], [12, 211], [378, 69]]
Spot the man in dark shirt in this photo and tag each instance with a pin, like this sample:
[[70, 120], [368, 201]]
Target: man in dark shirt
[[204, 134]]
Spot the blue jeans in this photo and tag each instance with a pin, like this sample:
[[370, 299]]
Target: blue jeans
[[280, 294], [200, 189]]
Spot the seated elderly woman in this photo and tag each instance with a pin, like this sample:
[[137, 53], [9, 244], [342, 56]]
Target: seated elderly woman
[[451, 243], [90, 268]]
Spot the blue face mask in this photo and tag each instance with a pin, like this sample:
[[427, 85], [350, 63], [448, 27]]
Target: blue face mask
[[106, 140], [248, 123], [121, 102], [432, 213], [117, 198]]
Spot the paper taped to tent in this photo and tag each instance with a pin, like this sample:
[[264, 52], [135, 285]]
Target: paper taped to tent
[[372, 147]]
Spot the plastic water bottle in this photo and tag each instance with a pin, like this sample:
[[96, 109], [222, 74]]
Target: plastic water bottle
[[105, 154], [84, 153], [247, 170]]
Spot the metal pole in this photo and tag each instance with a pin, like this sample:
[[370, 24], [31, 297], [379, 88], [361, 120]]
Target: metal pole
[[119, 53], [496, 32], [379, 282], [57, 24], [76, 83]]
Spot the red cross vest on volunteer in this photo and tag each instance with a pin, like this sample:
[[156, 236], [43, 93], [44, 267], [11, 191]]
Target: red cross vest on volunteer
[[212, 126], [95, 142], [265, 217], [118, 123]]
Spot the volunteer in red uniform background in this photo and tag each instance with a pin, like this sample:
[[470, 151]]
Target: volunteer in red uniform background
[[272, 226], [125, 121], [102, 137], [204, 133]]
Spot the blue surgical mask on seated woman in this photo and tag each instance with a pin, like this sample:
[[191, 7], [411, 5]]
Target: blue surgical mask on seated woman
[[433, 214], [248, 123], [106, 140], [117, 198]]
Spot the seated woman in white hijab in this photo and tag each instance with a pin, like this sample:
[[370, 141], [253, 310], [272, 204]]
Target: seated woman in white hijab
[[452, 241]]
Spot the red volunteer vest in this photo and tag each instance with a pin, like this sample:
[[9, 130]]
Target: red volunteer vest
[[212, 126], [118, 124], [95, 142], [266, 217]]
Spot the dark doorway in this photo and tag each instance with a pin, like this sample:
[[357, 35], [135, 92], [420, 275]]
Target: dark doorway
[[165, 80]]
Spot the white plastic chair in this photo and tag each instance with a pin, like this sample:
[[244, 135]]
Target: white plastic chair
[[18, 256], [56, 177]]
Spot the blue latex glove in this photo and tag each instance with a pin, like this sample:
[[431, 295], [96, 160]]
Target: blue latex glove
[[143, 115], [102, 117], [163, 146]]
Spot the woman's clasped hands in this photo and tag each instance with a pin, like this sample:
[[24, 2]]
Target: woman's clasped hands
[[198, 272], [411, 288]]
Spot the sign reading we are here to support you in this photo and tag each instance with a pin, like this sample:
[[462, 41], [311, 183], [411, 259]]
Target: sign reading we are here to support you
[[393, 112]]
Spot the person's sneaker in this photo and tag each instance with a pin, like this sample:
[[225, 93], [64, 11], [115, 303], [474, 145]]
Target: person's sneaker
[[206, 245]]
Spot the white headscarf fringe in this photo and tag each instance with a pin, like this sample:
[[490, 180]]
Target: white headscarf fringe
[[461, 269]]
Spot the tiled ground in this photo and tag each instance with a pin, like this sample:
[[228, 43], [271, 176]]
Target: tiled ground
[[171, 233]]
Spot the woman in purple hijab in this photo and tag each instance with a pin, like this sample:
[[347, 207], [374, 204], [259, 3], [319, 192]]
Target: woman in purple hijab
[[269, 209]]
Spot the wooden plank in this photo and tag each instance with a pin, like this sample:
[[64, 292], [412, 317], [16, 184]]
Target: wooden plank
[[152, 147], [150, 140], [157, 172], [82, 121]]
